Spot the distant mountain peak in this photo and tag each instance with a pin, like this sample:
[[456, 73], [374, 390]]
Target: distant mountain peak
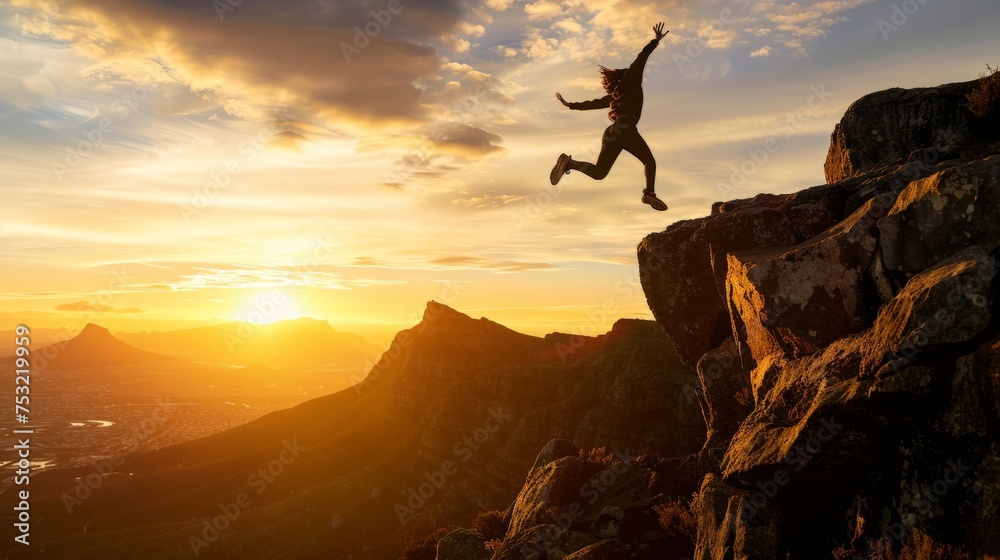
[[95, 336], [95, 346], [95, 329], [435, 311]]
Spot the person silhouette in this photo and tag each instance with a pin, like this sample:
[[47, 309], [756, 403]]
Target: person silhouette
[[624, 88]]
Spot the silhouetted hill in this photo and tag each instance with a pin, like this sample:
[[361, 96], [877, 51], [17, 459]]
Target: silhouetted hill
[[93, 347], [296, 343], [451, 389]]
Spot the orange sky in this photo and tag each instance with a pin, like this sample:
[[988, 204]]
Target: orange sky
[[163, 165]]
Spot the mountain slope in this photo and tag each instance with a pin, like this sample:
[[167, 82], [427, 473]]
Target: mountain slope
[[451, 389]]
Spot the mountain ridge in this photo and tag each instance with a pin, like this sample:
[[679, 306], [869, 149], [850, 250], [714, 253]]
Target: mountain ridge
[[93, 347], [427, 398]]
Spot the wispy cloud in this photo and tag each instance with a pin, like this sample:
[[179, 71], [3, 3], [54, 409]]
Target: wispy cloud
[[252, 277], [458, 262], [85, 306]]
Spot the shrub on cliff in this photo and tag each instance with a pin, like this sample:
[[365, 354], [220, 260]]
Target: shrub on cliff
[[984, 99], [490, 525], [566, 489], [425, 548], [918, 547], [599, 456], [678, 517]]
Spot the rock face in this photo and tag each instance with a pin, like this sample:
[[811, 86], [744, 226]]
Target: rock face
[[944, 213], [594, 508], [929, 124], [846, 341]]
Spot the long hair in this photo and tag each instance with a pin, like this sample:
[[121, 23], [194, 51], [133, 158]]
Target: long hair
[[611, 78]]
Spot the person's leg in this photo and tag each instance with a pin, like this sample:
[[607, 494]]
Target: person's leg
[[611, 146], [636, 145]]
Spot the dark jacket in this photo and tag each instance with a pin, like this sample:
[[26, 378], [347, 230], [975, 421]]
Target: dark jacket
[[626, 100]]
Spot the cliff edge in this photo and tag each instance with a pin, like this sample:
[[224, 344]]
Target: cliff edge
[[860, 317]]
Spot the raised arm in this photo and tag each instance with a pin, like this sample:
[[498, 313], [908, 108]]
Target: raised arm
[[639, 65], [602, 103]]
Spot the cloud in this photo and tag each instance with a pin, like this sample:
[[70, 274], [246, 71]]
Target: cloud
[[576, 30], [499, 5], [455, 262], [84, 306], [471, 30], [792, 24], [307, 60], [761, 52], [466, 141], [264, 277], [488, 264], [470, 96], [569, 26], [264, 56], [487, 200], [543, 10], [431, 154]]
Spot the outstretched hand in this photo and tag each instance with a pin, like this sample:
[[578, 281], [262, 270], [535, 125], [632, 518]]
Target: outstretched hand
[[561, 100], [658, 30]]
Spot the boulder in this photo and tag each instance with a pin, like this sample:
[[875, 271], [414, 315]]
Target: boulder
[[797, 300], [609, 523], [608, 549], [462, 544], [554, 450], [543, 542], [725, 400], [683, 271], [731, 526], [816, 396], [932, 124], [943, 214]]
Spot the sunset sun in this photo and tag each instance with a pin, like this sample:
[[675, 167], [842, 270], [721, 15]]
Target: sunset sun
[[267, 307]]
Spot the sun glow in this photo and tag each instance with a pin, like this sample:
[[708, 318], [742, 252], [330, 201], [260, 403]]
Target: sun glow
[[268, 307]]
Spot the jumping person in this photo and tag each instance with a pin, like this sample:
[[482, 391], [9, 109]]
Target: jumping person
[[624, 87]]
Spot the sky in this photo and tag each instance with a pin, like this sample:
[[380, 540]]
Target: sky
[[166, 164]]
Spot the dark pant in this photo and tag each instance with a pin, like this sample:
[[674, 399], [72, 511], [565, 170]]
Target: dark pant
[[622, 135]]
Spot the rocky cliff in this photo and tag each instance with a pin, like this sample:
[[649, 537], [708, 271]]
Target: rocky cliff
[[847, 345], [618, 391], [862, 317]]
